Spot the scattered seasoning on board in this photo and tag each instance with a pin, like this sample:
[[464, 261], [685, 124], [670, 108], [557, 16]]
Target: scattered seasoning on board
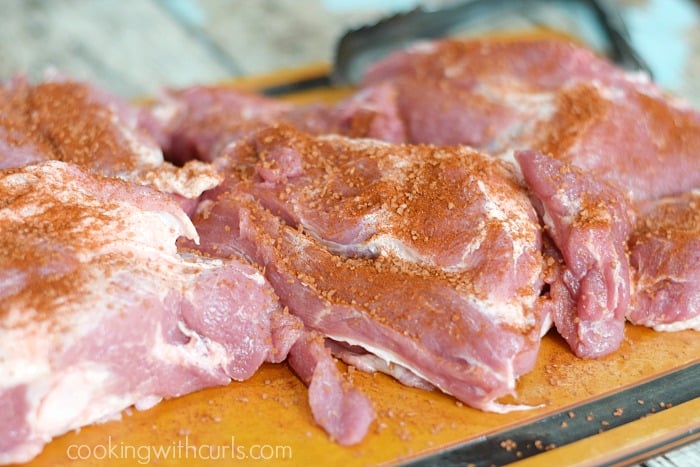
[[509, 445]]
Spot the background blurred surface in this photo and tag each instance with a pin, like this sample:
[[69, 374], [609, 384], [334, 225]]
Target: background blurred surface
[[135, 47]]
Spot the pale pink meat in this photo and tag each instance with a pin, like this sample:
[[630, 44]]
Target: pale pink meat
[[200, 121], [561, 100], [99, 311], [423, 261], [196, 122], [551, 96], [483, 93], [409, 253], [344, 412], [75, 122], [665, 259], [429, 205], [370, 363], [535, 64], [644, 143], [589, 222]]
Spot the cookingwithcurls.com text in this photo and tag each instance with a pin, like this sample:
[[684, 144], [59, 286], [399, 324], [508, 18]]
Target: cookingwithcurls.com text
[[180, 449]]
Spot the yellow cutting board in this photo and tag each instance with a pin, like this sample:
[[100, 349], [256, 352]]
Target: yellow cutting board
[[267, 418]]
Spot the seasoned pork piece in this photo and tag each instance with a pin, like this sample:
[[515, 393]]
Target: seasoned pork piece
[[551, 96], [200, 121], [589, 222], [537, 64], [75, 122], [484, 93], [665, 259], [645, 144], [426, 257], [432, 206], [196, 122], [99, 312], [343, 411], [563, 101]]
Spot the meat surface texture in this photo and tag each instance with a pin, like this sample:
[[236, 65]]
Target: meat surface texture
[[431, 226], [483, 93], [589, 222], [551, 96], [98, 310], [665, 259], [644, 143], [426, 257], [197, 122], [494, 95], [343, 411], [74, 122], [561, 100], [200, 121]]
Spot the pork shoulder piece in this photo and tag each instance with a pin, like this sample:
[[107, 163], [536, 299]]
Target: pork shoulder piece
[[589, 222], [407, 252], [483, 93], [71, 121], [665, 259], [548, 95], [344, 412], [200, 121], [463, 342], [644, 143], [99, 312], [447, 208], [537, 64], [196, 122]]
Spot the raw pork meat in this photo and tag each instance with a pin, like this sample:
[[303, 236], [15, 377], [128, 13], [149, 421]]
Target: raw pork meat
[[589, 221], [344, 412], [484, 93], [370, 363], [561, 100], [99, 312], [536, 64], [665, 259], [548, 95], [75, 122], [645, 144], [196, 122], [200, 121], [426, 257], [494, 95]]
